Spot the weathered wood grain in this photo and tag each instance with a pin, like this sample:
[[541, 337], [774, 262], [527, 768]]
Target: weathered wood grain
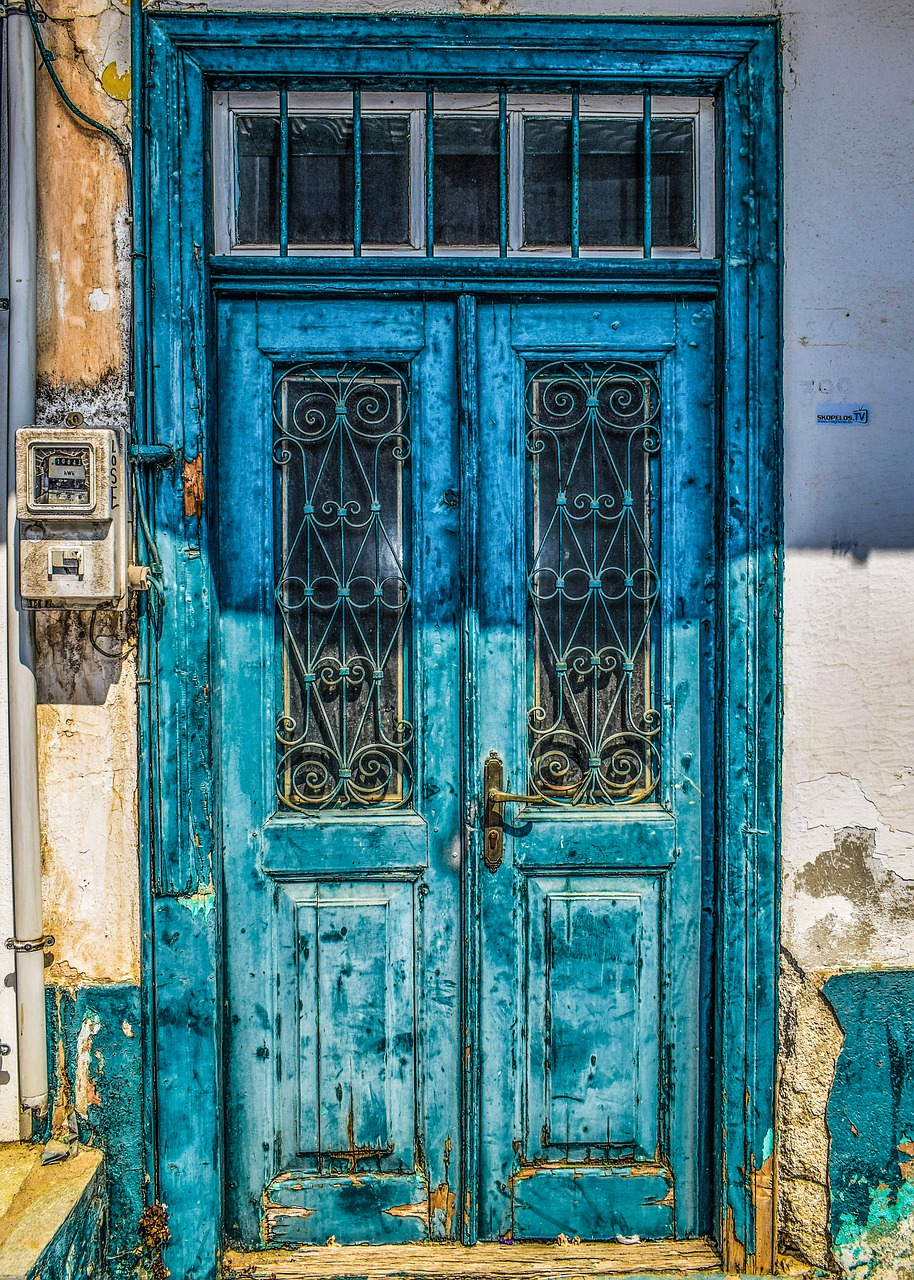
[[488, 1261]]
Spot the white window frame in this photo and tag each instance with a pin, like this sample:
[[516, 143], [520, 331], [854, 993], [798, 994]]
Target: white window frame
[[228, 105]]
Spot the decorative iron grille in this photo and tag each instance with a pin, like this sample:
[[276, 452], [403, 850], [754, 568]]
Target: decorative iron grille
[[342, 453], [593, 444]]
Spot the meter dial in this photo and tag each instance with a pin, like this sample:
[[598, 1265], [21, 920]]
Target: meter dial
[[62, 476]]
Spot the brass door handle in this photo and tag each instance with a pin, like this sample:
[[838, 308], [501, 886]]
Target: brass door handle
[[493, 779], [502, 797]]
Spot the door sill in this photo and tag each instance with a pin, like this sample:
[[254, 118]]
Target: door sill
[[482, 1261]]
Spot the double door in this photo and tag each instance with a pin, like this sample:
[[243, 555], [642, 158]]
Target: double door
[[465, 554]]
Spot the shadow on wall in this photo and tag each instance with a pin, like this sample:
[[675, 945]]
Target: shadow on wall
[[80, 655], [871, 1122]]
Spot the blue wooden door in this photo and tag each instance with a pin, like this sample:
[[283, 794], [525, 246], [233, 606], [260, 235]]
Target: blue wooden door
[[448, 535], [593, 686]]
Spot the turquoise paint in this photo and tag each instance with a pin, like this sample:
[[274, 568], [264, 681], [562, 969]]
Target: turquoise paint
[[115, 1122], [738, 61], [768, 1146], [203, 902], [871, 1120]]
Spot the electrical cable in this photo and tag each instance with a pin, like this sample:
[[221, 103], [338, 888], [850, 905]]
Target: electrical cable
[[47, 58], [156, 596]]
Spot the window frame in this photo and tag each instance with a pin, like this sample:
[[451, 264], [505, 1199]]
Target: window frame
[[227, 105]]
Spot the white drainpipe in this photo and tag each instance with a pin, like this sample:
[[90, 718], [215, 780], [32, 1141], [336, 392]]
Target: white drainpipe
[[25, 831]]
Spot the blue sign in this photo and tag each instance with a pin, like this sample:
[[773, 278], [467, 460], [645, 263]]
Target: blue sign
[[842, 415]]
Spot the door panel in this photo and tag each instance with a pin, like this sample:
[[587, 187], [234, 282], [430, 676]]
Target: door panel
[[340, 715], [368, 668], [595, 573]]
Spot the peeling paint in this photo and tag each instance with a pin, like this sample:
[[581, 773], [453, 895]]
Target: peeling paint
[[115, 84], [200, 903], [86, 1092]]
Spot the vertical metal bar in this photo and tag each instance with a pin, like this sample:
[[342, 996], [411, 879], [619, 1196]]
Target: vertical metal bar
[[646, 174], [357, 172], [502, 174], [283, 173], [575, 174], [430, 173]]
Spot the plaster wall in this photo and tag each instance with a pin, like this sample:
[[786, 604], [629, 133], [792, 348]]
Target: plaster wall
[[848, 610]]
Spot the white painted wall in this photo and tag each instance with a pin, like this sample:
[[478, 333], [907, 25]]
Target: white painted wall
[[849, 589]]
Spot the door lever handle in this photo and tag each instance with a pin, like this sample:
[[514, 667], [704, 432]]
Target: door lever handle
[[502, 797], [493, 779]]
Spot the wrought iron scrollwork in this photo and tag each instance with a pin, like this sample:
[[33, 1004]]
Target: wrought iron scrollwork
[[342, 451], [593, 443]]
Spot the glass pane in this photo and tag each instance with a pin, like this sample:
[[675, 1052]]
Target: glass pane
[[385, 179], [547, 181], [612, 210], [672, 181], [257, 178], [593, 444], [466, 180], [320, 179], [342, 455]]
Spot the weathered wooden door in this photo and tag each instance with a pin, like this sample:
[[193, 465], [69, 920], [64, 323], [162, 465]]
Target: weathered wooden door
[[457, 540]]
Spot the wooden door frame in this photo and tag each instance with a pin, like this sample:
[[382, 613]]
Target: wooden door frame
[[179, 59]]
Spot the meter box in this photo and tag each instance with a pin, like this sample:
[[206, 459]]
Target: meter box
[[72, 509]]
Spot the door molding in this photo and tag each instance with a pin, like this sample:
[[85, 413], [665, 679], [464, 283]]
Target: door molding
[[179, 58]]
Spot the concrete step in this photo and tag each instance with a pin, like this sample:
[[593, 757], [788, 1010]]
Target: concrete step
[[53, 1218]]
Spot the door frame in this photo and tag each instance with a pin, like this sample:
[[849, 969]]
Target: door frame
[[179, 58]]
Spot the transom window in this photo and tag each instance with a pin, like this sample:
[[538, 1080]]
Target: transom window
[[504, 174]]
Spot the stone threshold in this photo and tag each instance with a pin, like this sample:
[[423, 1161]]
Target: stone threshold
[[683, 1258], [52, 1217]]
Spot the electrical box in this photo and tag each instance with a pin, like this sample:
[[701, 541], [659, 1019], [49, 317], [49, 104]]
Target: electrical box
[[72, 509]]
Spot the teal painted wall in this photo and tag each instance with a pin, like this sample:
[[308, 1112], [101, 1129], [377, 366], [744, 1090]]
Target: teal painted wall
[[871, 1123], [101, 1026]]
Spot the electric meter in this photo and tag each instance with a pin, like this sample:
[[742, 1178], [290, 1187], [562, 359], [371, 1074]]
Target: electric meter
[[72, 511]]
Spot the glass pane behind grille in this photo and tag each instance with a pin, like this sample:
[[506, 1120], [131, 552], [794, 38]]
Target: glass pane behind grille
[[466, 180], [321, 167], [593, 442], [611, 182], [342, 455], [257, 179]]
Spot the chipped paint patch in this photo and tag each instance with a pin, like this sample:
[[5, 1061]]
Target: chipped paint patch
[[98, 300], [85, 1025], [811, 1041], [871, 1122], [884, 1246], [86, 1093], [201, 903], [114, 84], [441, 1205]]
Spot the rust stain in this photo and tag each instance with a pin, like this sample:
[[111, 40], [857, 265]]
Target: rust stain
[[193, 487]]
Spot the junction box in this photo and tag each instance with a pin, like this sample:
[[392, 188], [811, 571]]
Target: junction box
[[71, 502]]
